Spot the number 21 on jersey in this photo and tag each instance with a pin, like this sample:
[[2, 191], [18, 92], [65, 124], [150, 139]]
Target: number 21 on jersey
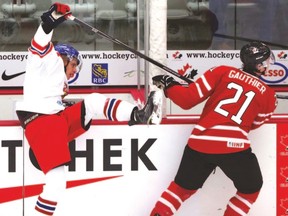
[[239, 93]]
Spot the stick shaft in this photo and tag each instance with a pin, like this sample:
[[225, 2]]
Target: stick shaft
[[282, 96], [114, 40]]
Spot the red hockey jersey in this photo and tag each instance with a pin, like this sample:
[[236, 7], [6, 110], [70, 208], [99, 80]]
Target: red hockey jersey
[[236, 103]]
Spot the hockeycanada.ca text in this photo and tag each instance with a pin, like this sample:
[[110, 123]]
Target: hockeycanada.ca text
[[216, 54], [117, 55], [13, 56]]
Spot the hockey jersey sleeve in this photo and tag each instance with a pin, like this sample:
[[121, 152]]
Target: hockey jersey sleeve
[[267, 111], [197, 92], [41, 43], [45, 77]]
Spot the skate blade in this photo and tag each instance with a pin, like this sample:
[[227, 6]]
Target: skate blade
[[156, 116]]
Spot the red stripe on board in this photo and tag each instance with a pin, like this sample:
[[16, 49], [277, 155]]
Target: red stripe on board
[[15, 193], [19, 192], [76, 183]]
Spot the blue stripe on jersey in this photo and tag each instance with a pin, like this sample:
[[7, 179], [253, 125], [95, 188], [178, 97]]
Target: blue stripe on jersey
[[110, 108], [46, 207], [40, 52]]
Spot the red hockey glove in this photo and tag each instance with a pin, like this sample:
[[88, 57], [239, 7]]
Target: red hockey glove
[[56, 14]]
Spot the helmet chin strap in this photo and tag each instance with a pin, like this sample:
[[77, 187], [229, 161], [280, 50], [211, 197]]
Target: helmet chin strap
[[65, 66], [261, 73], [264, 65]]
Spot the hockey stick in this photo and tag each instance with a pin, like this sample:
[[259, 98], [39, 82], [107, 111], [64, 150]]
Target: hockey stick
[[114, 40], [282, 96]]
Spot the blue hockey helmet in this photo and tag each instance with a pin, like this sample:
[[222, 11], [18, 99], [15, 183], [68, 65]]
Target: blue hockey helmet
[[70, 52]]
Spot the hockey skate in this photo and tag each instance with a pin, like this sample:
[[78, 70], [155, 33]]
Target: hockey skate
[[151, 113]]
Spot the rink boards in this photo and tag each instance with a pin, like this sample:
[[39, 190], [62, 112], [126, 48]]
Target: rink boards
[[121, 170]]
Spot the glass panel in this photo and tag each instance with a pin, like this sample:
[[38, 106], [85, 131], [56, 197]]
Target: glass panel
[[241, 21], [191, 24], [19, 20]]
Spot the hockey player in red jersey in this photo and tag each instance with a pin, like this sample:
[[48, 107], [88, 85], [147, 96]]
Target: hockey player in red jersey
[[237, 102], [49, 124]]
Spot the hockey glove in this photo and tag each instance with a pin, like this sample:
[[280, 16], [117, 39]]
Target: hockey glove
[[164, 82], [151, 112], [56, 14]]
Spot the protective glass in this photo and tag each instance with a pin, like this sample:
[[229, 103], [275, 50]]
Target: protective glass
[[269, 61], [79, 62]]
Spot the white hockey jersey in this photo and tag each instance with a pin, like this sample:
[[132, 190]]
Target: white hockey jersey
[[45, 81]]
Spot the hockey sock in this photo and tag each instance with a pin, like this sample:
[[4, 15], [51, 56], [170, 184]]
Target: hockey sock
[[45, 207], [240, 204], [171, 200], [118, 110], [55, 186], [112, 109]]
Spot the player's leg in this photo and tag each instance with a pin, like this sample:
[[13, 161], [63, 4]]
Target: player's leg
[[171, 200], [79, 115], [246, 177], [113, 109], [191, 175], [119, 110], [55, 186], [240, 204], [47, 137]]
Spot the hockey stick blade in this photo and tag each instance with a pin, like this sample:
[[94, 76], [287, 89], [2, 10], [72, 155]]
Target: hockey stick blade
[[282, 96], [141, 55]]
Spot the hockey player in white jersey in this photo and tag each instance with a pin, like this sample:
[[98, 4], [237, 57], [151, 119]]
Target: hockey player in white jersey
[[49, 124]]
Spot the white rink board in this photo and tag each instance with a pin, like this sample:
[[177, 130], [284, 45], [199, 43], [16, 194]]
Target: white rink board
[[134, 192], [119, 68]]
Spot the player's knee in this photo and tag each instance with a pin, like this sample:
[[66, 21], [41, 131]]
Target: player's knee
[[251, 197], [95, 98], [94, 103], [189, 185], [54, 190], [55, 184], [181, 192], [251, 186]]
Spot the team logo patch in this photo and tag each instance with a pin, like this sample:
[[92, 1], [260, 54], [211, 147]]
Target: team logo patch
[[100, 73], [231, 144]]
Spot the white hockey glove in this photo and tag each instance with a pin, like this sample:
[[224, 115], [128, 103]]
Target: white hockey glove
[[151, 112], [56, 14]]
